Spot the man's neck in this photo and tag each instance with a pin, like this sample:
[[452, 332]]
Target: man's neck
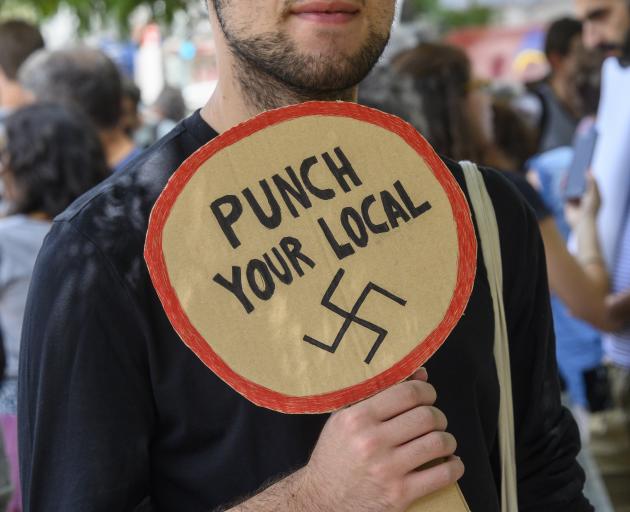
[[225, 109], [228, 106], [116, 144], [559, 86]]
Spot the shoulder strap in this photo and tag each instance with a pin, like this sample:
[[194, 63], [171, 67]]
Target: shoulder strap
[[491, 250]]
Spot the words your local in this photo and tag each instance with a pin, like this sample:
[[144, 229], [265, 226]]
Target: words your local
[[290, 193]]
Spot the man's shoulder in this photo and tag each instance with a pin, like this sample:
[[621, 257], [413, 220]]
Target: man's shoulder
[[112, 218], [124, 193], [120, 206], [508, 201], [516, 220]]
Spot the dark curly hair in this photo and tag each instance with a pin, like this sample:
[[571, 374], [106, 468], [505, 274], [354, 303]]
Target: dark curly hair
[[53, 156], [441, 75], [513, 135]]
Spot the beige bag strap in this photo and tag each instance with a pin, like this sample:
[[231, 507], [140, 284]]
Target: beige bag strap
[[491, 250]]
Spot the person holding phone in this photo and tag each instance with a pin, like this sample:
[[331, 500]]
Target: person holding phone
[[441, 74], [607, 28]]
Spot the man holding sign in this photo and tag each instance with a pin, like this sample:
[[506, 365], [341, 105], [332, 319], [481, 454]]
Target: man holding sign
[[118, 414]]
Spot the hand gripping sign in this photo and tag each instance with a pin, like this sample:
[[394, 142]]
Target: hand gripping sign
[[314, 256]]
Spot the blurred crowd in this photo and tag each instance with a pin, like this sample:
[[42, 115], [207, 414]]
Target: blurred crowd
[[69, 118], [557, 141]]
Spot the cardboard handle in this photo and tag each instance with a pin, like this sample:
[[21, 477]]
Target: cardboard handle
[[449, 499]]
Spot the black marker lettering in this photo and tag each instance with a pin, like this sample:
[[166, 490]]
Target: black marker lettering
[[292, 247], [226, 220], [345, 169], [285, 276], [305, 169], [360, 236], [365, 211], [272, 220], [294, 189], [264, 292], [341, 251], [415, 211], [393, 209], [236, 287]]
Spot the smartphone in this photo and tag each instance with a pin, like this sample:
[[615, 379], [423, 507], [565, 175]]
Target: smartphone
[[582, 158]]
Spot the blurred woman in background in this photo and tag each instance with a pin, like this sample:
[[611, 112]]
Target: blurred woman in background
[[459, 123], [48, 158]]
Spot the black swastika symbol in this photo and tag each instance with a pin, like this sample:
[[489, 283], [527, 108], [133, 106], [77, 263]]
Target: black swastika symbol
[[351, 316]]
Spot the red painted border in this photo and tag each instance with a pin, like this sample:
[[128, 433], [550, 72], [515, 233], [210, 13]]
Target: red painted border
[[335, 400]]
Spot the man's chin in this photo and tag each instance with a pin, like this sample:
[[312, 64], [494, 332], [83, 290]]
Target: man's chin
[[610, 50], [318, 88], [332, 49], [331, 71]]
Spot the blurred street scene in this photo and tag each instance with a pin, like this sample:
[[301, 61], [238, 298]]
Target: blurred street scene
[[523, 86]]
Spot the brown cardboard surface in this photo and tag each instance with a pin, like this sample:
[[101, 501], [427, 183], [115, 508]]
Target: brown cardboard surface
[[417, 261], [320, 329], [446, 500]]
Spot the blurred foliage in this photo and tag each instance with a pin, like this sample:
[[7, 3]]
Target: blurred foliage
[[425, 6], [473, 15], [90, 12], [117, 12], [17, 9]]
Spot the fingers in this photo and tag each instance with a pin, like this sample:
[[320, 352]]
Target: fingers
[[376, 447], [596, 192], [430, 447], [412, 424], [421, 374], [590, 186], [592, 199], [427, 481], [399, 399]]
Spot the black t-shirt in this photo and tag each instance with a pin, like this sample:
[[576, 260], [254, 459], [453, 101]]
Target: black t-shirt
[[530, 194], [115, 411]]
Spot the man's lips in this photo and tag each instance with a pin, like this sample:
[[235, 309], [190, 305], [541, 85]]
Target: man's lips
[[327, 12]]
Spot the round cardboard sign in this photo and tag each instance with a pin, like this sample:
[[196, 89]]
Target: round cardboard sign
[[313, 255]]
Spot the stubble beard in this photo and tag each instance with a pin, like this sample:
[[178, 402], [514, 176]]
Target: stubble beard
[[625, 50], [272, 73]]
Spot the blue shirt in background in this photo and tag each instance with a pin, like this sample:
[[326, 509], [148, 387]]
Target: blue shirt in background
[[578, 345]]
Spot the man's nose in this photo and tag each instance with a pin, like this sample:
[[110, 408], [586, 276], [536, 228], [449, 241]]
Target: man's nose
[[591, 35]]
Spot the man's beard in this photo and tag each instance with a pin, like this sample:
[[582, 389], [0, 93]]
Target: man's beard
[[610, 49], [625, 52], [272, 73], [621, 51]]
